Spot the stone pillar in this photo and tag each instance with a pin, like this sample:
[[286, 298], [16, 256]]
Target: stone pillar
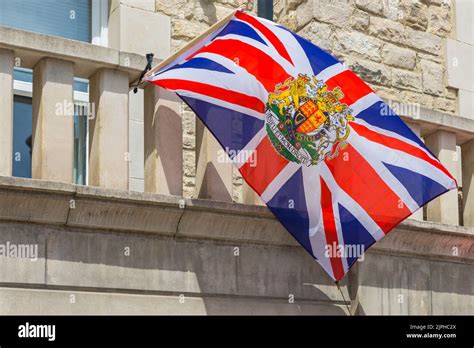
[[213, 167], [53, 120], [108, 130], [468, 182], [127, 22], [415, 127], [444, 209], [6, 112], [163, 142]]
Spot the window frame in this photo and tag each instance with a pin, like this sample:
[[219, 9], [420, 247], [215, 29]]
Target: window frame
[[100, 22], [99, 36], [25, 89]]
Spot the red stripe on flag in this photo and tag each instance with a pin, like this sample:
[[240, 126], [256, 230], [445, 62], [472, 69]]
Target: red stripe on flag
[[275, 41], [351, 85], [214, 92], [397, 144], [268, 165], [359, 180], [256, 62], [330, 230]]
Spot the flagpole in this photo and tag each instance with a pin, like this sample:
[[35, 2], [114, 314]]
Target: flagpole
[[343, 298], [219, 24]]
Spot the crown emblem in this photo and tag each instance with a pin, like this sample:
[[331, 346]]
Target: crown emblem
[[305, 121]]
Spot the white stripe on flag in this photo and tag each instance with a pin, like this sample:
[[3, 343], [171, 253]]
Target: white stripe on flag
[[269, 51], [405, 160], [340, 237], [375, 159], [232, 82], [249, 150], [393, 135], [364, 103], [285, 174], [331, 71], [317, 237], [220, 102], [350, 204], [241, 74]]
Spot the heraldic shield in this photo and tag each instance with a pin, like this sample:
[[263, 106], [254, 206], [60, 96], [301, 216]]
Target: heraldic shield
[[305, 121]]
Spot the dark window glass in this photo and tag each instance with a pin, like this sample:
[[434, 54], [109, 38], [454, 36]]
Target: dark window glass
[[265, 9], [81, 86], [24, 75], [22, 131], [22, 111], [80, 149]]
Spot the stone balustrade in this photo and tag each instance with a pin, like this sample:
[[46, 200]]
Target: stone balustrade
[[56, 61], [442, 134]]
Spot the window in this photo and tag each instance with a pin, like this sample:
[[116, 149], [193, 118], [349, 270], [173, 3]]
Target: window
[[82, 20], [22, 126], [265, 9], [22, 136], [66, 18], [81, 126]]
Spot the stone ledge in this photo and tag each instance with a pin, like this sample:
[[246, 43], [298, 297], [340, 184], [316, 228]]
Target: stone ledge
[[15, 301], [29, 200], [429, 240], [31, 47], [94, 259], [432, 120]]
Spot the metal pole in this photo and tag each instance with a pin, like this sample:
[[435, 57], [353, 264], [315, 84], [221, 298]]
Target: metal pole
[[265, 9]]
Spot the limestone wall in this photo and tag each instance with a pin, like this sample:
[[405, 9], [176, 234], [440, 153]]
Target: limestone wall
[[395, 45]]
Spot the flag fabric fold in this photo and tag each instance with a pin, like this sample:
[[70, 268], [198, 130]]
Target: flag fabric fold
[[330, 159]]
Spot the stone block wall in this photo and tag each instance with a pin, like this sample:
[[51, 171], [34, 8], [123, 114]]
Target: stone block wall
[[396, 46]]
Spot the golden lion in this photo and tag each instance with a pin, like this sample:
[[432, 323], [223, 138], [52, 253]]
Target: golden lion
[[290, 91]]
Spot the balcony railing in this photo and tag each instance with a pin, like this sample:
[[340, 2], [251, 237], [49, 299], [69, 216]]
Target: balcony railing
[[56, 61]]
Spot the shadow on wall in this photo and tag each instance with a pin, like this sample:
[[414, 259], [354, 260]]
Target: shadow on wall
[[391, 284], [218, 191], [209, 9], [169, 147]]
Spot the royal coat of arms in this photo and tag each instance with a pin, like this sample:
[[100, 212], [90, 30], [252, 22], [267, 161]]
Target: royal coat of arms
[[306, 122]]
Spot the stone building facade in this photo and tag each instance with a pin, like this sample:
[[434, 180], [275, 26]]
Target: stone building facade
[[160, 228]]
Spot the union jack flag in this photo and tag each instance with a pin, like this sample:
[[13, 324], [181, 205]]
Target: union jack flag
[[332, 167]]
